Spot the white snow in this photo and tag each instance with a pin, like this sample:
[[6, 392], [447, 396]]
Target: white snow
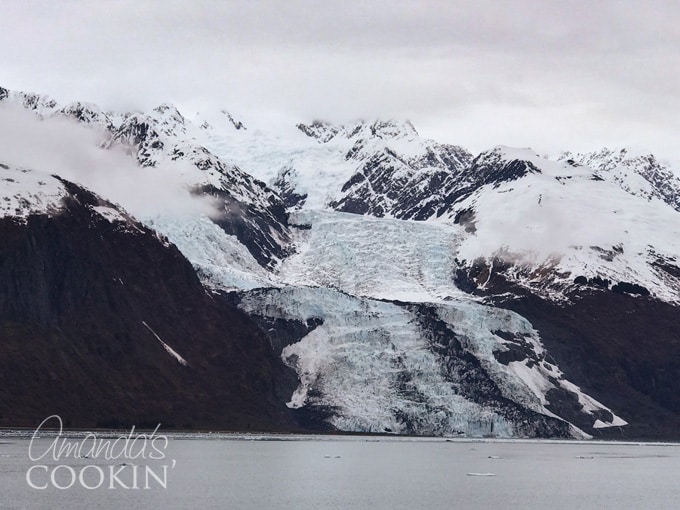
[[221, 261], [563, 222], [319, 168], [616, 422], [167, 348], [24, 192], [380, 258], [110, 213]]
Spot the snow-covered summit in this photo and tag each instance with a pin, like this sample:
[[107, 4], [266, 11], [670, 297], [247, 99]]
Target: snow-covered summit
[[25, 192], [324, 132], [39, 103], [45, 107], [551, 222], [638, 173], [561, 216], [357, 167], [165, 140]]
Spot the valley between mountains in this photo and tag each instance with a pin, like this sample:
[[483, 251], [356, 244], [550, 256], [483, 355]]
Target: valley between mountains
[[206, 273]]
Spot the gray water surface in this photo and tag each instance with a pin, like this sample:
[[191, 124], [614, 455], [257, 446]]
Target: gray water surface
[[368, 473]]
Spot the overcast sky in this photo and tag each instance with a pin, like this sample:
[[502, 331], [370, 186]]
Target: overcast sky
[[540, 73]]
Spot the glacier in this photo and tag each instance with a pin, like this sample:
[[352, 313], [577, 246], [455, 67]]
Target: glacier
[[397, 343]]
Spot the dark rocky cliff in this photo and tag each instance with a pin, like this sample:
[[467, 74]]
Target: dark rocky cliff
[[620, 348], [76, 291]]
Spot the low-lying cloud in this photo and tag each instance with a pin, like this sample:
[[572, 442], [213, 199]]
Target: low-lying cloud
[[60, 145], [559, 75]]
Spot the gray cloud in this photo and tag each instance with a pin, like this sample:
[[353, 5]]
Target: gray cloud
[[546, 74]]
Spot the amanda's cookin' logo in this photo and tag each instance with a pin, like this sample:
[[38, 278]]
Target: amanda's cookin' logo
[[132, 461]]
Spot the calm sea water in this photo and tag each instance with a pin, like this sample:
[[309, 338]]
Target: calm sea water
[[362, 473]]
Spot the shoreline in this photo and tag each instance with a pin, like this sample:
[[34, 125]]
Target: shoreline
[[27, 434]]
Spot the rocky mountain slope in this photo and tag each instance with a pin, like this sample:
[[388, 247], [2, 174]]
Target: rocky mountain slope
[[104, 322], [243, 206], [401, 285]]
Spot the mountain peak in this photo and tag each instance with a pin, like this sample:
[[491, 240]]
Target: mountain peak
[[88, 113], [502, 164], [608, 158], [507, 153], [39, 103], [321, 130], [383, 129], [238, 125], [168, 111], [636, 172], [393, 129]]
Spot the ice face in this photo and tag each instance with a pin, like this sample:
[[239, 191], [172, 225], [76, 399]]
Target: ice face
[[374, 363], [370, 362]]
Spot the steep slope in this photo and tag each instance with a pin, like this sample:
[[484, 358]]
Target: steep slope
[[104, 322], [594, 268], [447, 369], [554, 227], [378, 168], [638, 174], [241, 205], [429, 361], [396, 173], [620, 348], [533, 235], [246, 207]]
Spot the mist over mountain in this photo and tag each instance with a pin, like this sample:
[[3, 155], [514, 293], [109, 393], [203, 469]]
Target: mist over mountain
[[353, 277]]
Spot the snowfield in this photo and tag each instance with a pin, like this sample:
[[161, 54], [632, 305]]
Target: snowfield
[[569, 219]]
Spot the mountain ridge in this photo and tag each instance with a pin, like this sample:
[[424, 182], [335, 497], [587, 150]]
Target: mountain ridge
[[366, 246]]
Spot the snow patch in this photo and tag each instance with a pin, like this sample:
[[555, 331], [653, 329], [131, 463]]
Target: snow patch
[[26, 192], [168, 349]]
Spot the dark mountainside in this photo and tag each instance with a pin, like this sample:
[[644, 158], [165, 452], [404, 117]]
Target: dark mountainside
[[622, 349], [75, 293]]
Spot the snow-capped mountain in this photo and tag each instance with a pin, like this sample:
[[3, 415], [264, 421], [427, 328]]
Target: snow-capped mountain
[[243, 206], [524, 211], [550, 226], [379, 168], [104, 322], [638, 174], [247, 208], [410, 286]]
